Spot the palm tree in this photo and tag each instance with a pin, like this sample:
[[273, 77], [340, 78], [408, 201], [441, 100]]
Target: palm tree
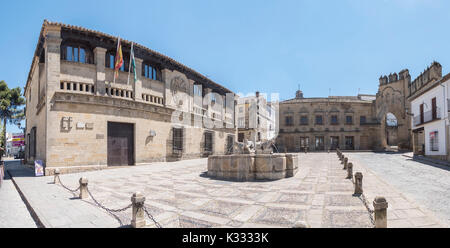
[[10, 103]]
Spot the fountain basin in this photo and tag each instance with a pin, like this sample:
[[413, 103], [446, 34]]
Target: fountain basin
[[247, 167]]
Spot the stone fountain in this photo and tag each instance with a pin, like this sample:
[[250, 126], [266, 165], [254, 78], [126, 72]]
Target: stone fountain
[[253, 162]]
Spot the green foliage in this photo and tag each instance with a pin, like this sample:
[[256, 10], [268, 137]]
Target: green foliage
[[11, 101]]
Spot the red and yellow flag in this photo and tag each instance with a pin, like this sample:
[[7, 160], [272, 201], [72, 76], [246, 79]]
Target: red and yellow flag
[[119, 59]]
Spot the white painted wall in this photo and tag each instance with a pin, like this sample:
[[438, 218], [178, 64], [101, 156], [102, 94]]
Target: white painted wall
[[441, 93]]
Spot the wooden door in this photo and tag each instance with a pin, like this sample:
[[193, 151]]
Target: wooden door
[[120, 143]]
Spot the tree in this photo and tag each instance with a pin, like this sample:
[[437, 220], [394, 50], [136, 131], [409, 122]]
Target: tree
[[10, 102]]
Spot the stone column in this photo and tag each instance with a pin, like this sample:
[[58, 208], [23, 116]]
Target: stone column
[[137, 86], [349, 170], [358, 183], [83, 188], [99, 59], [380, 206], [137, 218], [345, 163]]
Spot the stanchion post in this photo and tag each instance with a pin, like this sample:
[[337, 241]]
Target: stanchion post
[[83, 188], [345, 163], [56, 179], [358, 183], [349, 170], [137, 218], [380, 206]]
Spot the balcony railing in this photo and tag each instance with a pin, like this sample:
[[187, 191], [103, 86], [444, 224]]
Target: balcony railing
[[427, 117]]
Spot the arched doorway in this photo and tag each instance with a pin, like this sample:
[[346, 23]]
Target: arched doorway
[[391, 129]]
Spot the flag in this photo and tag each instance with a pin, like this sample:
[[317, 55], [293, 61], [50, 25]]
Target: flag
[[119, 59], [132, 64]]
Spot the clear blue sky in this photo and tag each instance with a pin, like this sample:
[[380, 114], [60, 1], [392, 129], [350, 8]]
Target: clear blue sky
[[270, 46]]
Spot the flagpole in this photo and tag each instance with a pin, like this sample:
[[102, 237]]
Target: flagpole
[[114, 75], [129, 64]]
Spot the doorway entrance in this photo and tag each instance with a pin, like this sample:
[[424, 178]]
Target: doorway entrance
[[120, 144]]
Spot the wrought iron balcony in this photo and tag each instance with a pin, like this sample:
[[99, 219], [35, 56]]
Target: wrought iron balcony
[[427, 117]]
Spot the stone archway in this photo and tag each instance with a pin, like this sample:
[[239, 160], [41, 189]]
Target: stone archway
[[391, 105], [391, 129]]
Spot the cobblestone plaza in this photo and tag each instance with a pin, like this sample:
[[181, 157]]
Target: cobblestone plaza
[[179, 194]]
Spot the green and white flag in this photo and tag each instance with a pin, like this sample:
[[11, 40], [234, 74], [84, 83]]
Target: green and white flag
[[132, 64]]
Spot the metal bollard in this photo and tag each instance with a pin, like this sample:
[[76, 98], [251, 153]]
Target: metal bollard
[[345, 163], [349, 170], [137, 218], [83, 187], [56, 179], [358, 183], [380, 206]]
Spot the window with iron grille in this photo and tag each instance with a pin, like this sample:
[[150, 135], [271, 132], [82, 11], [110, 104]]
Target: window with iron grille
[[230, 141], [434, 141], [208, 142], [177, 139]]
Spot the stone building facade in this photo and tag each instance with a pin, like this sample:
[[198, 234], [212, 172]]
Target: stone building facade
[[256, 118], [348, 122], [78, 117]]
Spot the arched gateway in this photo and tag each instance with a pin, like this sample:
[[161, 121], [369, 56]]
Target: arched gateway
[[391, 108]]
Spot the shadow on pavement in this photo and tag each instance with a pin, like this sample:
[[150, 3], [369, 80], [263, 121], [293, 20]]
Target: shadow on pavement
[[440, 166]]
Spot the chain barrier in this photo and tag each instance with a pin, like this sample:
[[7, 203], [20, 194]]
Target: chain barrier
[[105, 208], [109, 210], [64, 186], [151, 217], [366, 204]]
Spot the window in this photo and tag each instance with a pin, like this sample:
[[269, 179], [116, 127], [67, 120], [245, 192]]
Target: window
[[304, 141], [32, 144], [320, 146], [433, 108], [241, 109], [76, 53], [334, 120], [177, 139], [434, 141], [151, 72], [349, 145], [259, 136], [241, 122], [197, 90], [421, 113], [241, 137], [334, 142], [349, 119], [304, 120], [230, 142], [362, 120], [208, 142], [289, 121], [110, 61], [319, 120]]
